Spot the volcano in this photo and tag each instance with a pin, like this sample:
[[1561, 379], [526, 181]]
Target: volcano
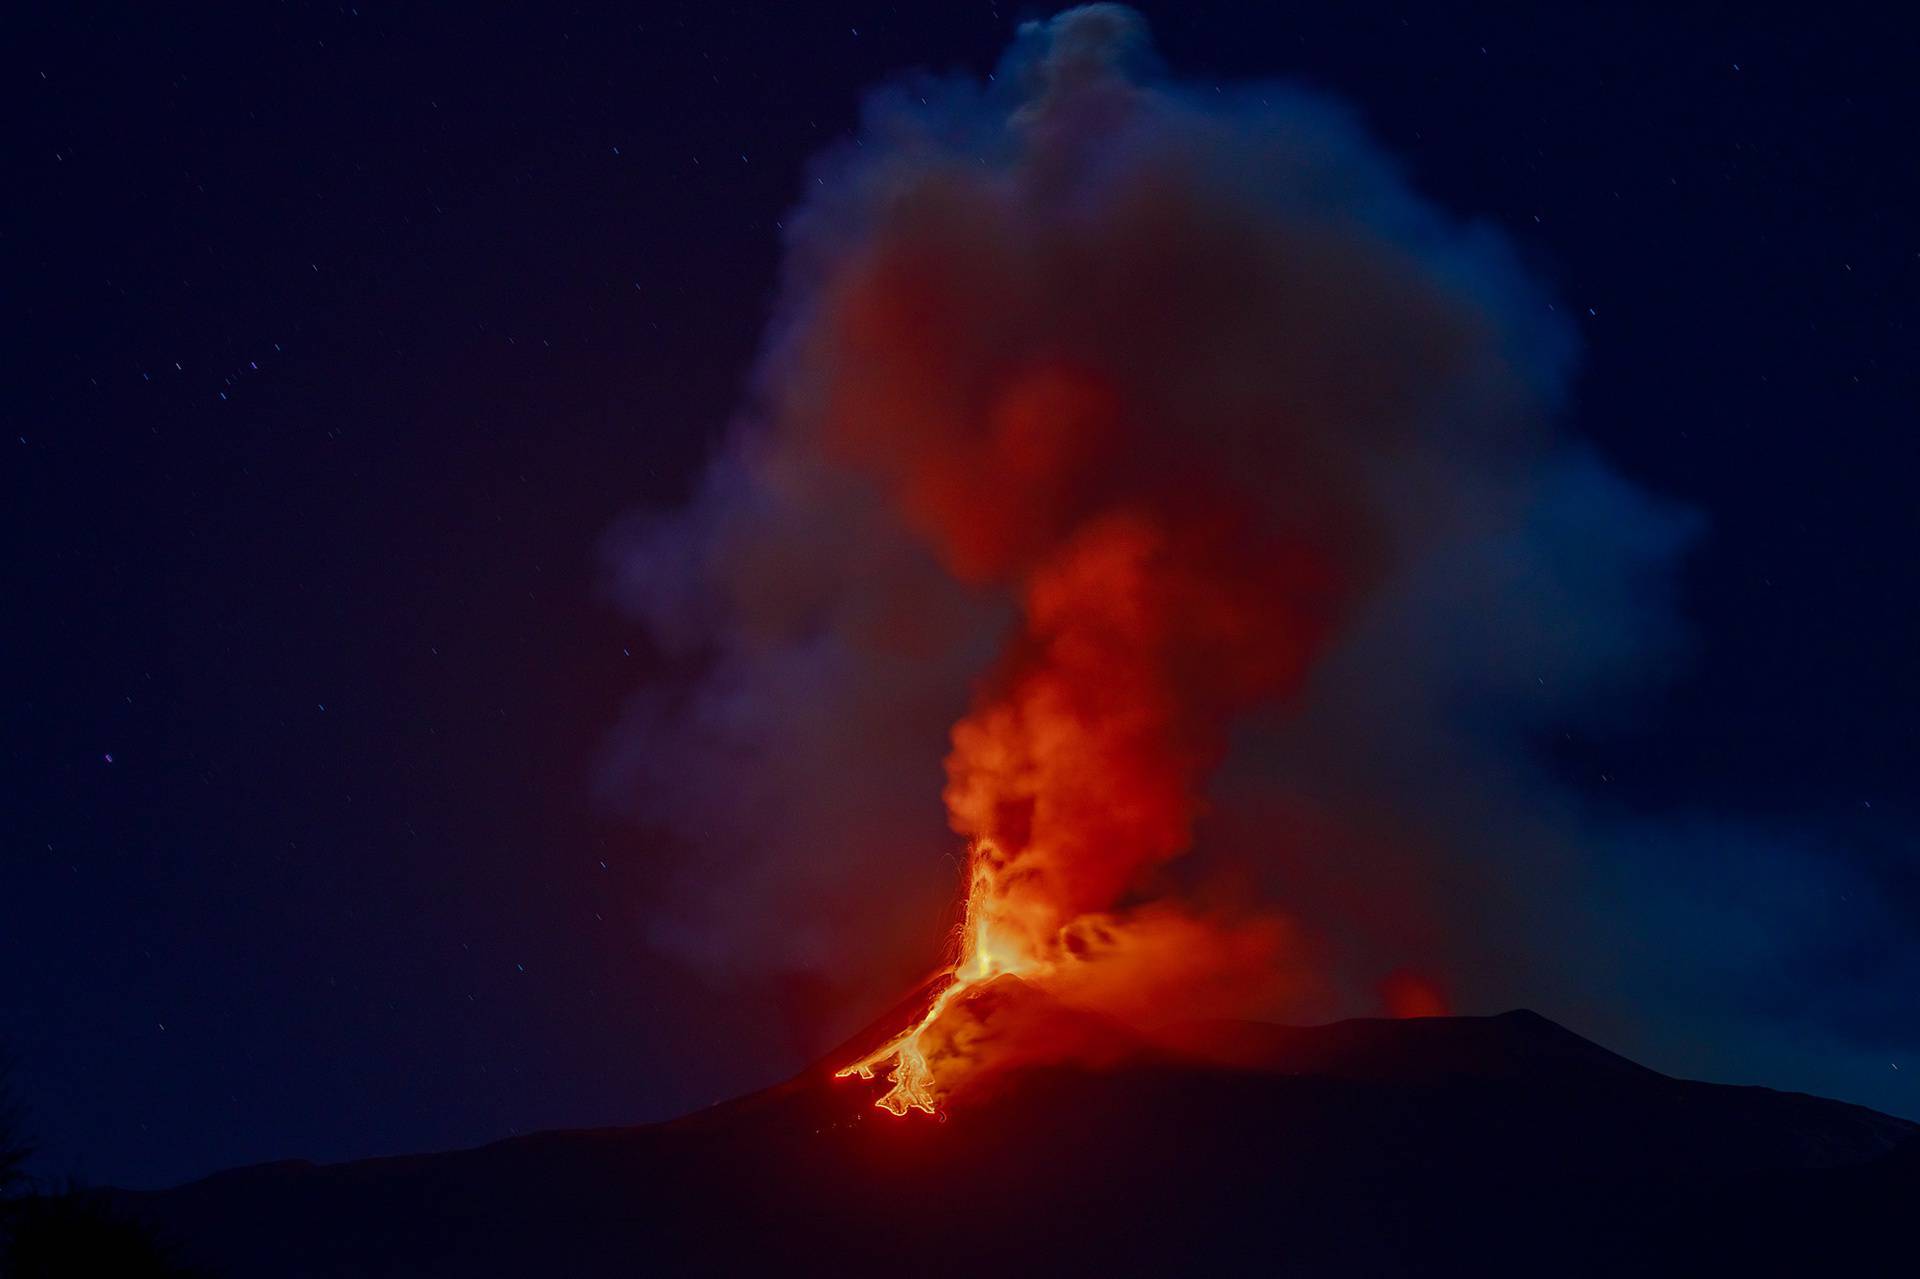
[[1483, 1145]]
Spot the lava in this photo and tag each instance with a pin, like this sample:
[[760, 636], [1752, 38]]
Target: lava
[[979, 960]]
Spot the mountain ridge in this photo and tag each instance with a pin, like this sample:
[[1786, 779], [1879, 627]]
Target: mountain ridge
[[1364, 1146]]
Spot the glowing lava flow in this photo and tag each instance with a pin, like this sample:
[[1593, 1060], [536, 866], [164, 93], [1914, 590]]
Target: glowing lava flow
[[912, 1076]]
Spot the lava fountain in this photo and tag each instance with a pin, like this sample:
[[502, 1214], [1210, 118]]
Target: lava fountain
[[915, 1086]]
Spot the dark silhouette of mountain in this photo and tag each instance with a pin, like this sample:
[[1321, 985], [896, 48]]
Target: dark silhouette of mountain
[[1460, 1145]]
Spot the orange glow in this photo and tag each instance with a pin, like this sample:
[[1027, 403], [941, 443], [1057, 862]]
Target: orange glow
[[981, 958], [1406, 993]]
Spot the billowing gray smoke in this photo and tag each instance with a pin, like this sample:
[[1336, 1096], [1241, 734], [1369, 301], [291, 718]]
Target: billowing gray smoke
[[1081, 296]]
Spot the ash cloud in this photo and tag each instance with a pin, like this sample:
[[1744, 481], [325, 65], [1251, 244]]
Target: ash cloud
[[1082, 286]]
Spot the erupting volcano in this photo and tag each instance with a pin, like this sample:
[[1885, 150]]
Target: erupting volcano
[[915, 1086], [1141, 495], [1078, 771], [1139, 455]]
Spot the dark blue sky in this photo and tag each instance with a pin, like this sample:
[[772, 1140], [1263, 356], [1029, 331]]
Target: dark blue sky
[[342, 338]]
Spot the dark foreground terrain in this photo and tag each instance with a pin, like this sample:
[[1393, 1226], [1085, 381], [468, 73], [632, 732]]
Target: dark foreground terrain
[[1499, 1145]]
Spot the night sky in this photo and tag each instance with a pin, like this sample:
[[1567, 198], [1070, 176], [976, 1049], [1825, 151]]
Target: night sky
[[342, 337]]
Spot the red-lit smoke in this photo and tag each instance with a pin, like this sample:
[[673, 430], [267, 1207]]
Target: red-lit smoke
[[1100, 420]]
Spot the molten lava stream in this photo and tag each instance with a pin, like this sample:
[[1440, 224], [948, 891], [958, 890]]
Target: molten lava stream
[[912, 1076]]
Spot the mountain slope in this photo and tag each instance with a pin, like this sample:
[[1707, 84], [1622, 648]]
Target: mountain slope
[[1446, 1145]]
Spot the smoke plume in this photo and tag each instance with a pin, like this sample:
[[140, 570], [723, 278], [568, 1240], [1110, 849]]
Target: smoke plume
[[1155, 476]]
